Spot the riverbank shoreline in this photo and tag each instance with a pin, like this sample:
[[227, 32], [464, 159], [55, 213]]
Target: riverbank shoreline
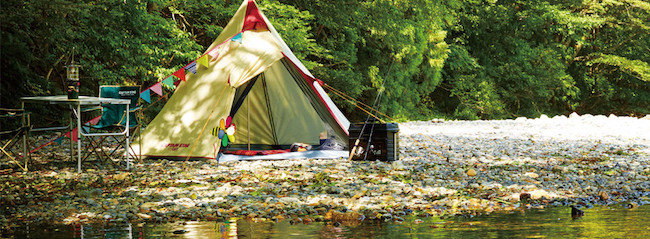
[[445, 168]]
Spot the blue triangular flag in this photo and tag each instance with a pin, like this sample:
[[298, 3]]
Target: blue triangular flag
[[237, 38], [146, 96], [191, 67], [59, 140]]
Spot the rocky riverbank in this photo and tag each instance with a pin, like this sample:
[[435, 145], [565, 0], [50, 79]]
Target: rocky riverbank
[[446, 168]]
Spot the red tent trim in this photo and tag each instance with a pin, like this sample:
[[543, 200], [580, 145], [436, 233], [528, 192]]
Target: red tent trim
[[253, 19]]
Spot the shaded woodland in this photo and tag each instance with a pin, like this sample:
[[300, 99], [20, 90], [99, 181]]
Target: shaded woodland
[[454, 59]]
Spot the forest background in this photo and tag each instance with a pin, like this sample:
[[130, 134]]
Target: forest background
[[461, 59]]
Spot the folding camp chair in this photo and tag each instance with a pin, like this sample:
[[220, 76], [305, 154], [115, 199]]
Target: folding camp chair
[[113, 118], [9, 137]]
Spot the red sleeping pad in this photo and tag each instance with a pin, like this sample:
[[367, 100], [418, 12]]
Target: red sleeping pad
[[257, 152]]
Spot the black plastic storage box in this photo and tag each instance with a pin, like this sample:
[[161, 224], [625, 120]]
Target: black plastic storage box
[[384, 141]]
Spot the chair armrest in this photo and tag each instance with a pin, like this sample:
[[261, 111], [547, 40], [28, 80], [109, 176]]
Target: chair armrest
[[134, 109], [14, 110], [93, 108], [7, 113]]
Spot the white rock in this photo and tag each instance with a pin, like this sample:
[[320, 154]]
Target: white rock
[[531, 175]]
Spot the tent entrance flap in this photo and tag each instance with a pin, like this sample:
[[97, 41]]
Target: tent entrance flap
[[269, 111], [240, 95]]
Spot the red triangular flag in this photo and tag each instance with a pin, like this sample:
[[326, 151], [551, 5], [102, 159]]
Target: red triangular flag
[[157, 88], [73, 133], [180, 74], [95, 120]]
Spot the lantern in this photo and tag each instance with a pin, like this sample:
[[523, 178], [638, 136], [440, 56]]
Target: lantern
[[72, 72]]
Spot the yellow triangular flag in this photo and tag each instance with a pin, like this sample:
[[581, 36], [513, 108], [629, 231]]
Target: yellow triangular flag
[[203, 60]]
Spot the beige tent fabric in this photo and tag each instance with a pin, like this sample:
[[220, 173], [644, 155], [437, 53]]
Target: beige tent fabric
[[233, 27], [295, 118], [254, 55]]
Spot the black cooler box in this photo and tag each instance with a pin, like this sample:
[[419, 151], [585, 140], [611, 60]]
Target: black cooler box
[[384, 142]]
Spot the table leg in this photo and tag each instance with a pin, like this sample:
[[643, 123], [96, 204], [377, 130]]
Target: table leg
[[78, 138], [70, 130], [25, 135]]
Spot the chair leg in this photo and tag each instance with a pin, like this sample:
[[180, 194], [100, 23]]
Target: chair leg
[[92, 148], [5, 149], [136, 131], [97, 149], [119, 146]]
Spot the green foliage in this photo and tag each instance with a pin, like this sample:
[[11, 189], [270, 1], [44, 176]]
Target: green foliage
[[637, 68], [552, 58], [115, 42], [394, 47], [477, 59]]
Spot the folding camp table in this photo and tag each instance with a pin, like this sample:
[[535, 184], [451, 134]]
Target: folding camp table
[[75, 110]]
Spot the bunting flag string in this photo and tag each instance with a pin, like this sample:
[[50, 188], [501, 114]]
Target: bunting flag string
[[204, 60], [59, 140]]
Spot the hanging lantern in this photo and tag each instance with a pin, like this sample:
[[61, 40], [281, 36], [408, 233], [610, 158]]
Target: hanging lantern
[[72, 72]]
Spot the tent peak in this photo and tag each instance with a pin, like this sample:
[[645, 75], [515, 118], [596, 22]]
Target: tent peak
[[253, 19]]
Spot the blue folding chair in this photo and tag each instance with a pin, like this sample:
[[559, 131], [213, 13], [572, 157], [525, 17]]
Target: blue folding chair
[[113, 118]]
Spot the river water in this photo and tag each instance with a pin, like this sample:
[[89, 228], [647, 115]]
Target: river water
[[614, 221]]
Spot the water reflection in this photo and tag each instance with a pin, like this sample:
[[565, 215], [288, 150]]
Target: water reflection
[[598, 222]]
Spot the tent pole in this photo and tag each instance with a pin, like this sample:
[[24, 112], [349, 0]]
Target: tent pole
[[248, 109]]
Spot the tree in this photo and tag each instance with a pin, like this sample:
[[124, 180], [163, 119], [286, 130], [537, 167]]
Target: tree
[[523, 58]]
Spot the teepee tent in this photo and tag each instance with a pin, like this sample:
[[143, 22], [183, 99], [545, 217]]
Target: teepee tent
[[248, 78]]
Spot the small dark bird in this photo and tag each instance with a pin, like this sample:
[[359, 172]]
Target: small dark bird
[[524, 197], [576, 213]]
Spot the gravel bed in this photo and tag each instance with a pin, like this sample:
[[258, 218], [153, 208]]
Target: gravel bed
[[445, 168]]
